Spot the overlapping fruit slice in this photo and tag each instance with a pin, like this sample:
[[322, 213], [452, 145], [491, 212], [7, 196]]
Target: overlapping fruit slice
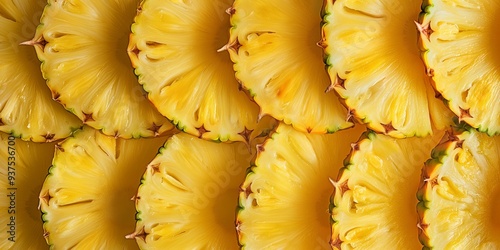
[[374, 62], [274, 47], [26, 108], [374, 203], [461, 38], [284, 199], [174, 50], [83, 48], [85, 199], [23, 167], [189, 194], [459, 204]]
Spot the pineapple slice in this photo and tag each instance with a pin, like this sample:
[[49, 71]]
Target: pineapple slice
[[23, 168], [85, 199], [274, 47], [83, 48], [285, 195], [374, 63], [26, 108], [374, 203], [461, 38], [189, 194], [459, 204], [174, 50]]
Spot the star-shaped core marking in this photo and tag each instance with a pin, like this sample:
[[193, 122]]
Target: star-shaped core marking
[[155, 129], [350, 115], [336, 244], [45, 198], [230, 11], [388, 127], [88, 117], [40, 42], [424, 29], [49, 137], [246, 133], [56, 96], [201, 131], [155, 168], [339, 82], [464, 113], [342, 187], [141, 235], [234, 46]]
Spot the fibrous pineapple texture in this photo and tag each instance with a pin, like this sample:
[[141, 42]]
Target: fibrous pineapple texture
[[189, 194], [274, 47], [26, 108], [373, 58], [174, 50], [461, 39], [85, 199], [374, 204], [82, 45], [459, 204], [23, 167], [283, 202]]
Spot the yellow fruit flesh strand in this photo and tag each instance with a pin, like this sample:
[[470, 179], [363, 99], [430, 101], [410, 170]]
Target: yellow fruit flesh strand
[[89, 68], [24, 166], [269, 215], [284, 70], [26, 107], [373, 50], [463, 54], [86, 197], [375, 203], [189, 191], [187, 79], [462, 194]]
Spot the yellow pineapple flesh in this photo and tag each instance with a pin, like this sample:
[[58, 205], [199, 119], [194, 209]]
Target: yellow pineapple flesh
[[88, 70], [373, 58], [274, 47], [26, 108], [86, 198]]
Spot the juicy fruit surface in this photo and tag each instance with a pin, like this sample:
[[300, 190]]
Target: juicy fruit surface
[[26, 164], [88, 70], [462, 55], [273, 45], [174, 50], [26, 108], [375, 65], [188, 195], [285, 195], [85, 199], [374, 203], [460, 193]]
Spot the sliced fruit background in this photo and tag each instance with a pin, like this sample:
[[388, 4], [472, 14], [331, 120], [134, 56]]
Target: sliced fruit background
[[460, 192], [88, 70], [177, 60], [374, 63], [462, 57], [23, 167], [283, 202], [374, 202], [273, 45], [85, 199], [188, 195], [26, 108]]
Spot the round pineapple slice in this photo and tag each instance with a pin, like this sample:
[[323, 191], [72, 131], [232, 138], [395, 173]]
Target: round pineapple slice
[[26, 108], [174, 50], [23, 168], [85, 199], [286, 194], [459, 204], [373, 58], [461, 38], [189, 194], [274, 47], [82, 45], [374, 205]]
